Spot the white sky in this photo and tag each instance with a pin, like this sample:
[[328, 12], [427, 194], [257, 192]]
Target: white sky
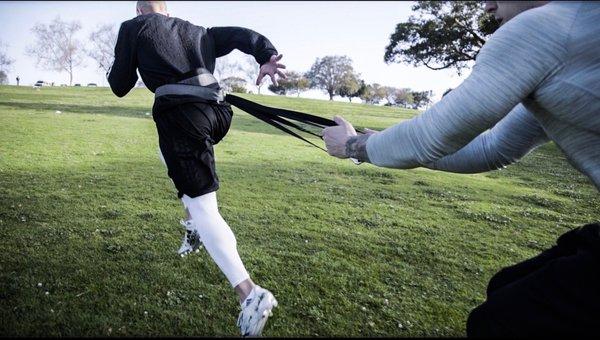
[[302, 31]]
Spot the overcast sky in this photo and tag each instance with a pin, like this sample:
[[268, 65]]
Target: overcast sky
[[301, 31]]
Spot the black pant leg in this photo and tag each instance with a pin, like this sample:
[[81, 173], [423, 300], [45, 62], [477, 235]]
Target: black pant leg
[[565, 245], [559, 297]]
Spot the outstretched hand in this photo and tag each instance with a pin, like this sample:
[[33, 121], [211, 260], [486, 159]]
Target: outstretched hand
[[335, 137], [342, 140], [271, 68]]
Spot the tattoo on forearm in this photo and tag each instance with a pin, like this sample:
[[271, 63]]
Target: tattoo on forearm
[[356, 147]]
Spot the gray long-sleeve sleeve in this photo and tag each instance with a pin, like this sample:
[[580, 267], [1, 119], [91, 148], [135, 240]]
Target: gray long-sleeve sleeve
[[515, 61], [508, 141]]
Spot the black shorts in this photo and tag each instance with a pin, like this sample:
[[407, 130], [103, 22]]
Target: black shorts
[[187, 130], [556, 293]]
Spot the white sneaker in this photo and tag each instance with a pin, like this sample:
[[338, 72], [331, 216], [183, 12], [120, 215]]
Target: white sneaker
[[191, 240], [255, 312]]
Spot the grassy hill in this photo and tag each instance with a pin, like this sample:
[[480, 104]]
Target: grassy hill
[[89, 225]]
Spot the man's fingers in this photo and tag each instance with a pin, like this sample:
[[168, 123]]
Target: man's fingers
[[281, 74], [273, 79], [280, 65], [260, 77], [340, 121], [275, 58]]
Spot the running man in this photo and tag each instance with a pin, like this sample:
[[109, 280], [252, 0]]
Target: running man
[[537, 79], [176, 59]]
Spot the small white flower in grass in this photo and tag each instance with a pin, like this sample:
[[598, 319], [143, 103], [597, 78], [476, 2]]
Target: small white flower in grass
[[147, 113], [400, 325], [363, 308], [39, 284], [386, 302], [58, 112], [145, 313], [47, 293]]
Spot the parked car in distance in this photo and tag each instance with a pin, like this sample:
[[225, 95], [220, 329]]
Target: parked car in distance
[[92, 85], [77, 84], [40, 83]]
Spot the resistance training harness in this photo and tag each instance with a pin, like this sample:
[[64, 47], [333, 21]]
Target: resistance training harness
[[202, 84]]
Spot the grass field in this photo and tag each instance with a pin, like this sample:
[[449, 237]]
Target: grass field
[[89, 226]]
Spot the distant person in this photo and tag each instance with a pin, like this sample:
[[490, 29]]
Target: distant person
[[175, 60], [537, 79], [18, 79]]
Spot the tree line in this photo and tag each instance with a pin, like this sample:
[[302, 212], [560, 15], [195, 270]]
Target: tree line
[[335, 76]]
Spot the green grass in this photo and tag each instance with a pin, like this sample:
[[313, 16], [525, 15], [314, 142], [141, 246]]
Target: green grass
[[88, 213]]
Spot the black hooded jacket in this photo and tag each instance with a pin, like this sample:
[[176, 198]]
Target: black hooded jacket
[[163, 48]]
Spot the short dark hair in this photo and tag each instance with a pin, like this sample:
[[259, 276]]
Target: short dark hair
[[446, 92]]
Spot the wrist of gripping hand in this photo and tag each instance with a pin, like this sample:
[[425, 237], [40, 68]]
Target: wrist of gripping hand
[[356, 147]]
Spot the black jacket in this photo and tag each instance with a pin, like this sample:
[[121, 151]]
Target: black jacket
[[163, 48]]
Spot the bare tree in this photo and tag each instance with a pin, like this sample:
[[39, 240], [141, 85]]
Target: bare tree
[[5, 62], [56, 46], [102, 49], [227, 67], [249, 70]]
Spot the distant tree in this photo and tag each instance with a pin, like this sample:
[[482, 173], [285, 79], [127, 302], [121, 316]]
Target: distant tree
[[349, 86], [421, 99], [297, 82], [280, 89], [5, 61], [302, 85], [328, 73], [226, 67], [389, 94], [234, 84], [3, 78], [403, 97], [102, 49], [294, 82], [362, 88], [238, 88], [444, 34], [56, 46], [373, 94]]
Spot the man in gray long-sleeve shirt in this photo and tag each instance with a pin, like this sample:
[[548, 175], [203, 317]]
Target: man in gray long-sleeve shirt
[[537, 79]]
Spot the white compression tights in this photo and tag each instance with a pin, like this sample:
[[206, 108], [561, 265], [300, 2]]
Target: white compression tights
[[216, 236]]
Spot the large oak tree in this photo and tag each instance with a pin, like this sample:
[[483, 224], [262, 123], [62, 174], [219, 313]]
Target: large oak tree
[[441, 34]]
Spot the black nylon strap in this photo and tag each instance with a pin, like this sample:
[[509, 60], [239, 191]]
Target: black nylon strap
[[261, 112], [274, 117]]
